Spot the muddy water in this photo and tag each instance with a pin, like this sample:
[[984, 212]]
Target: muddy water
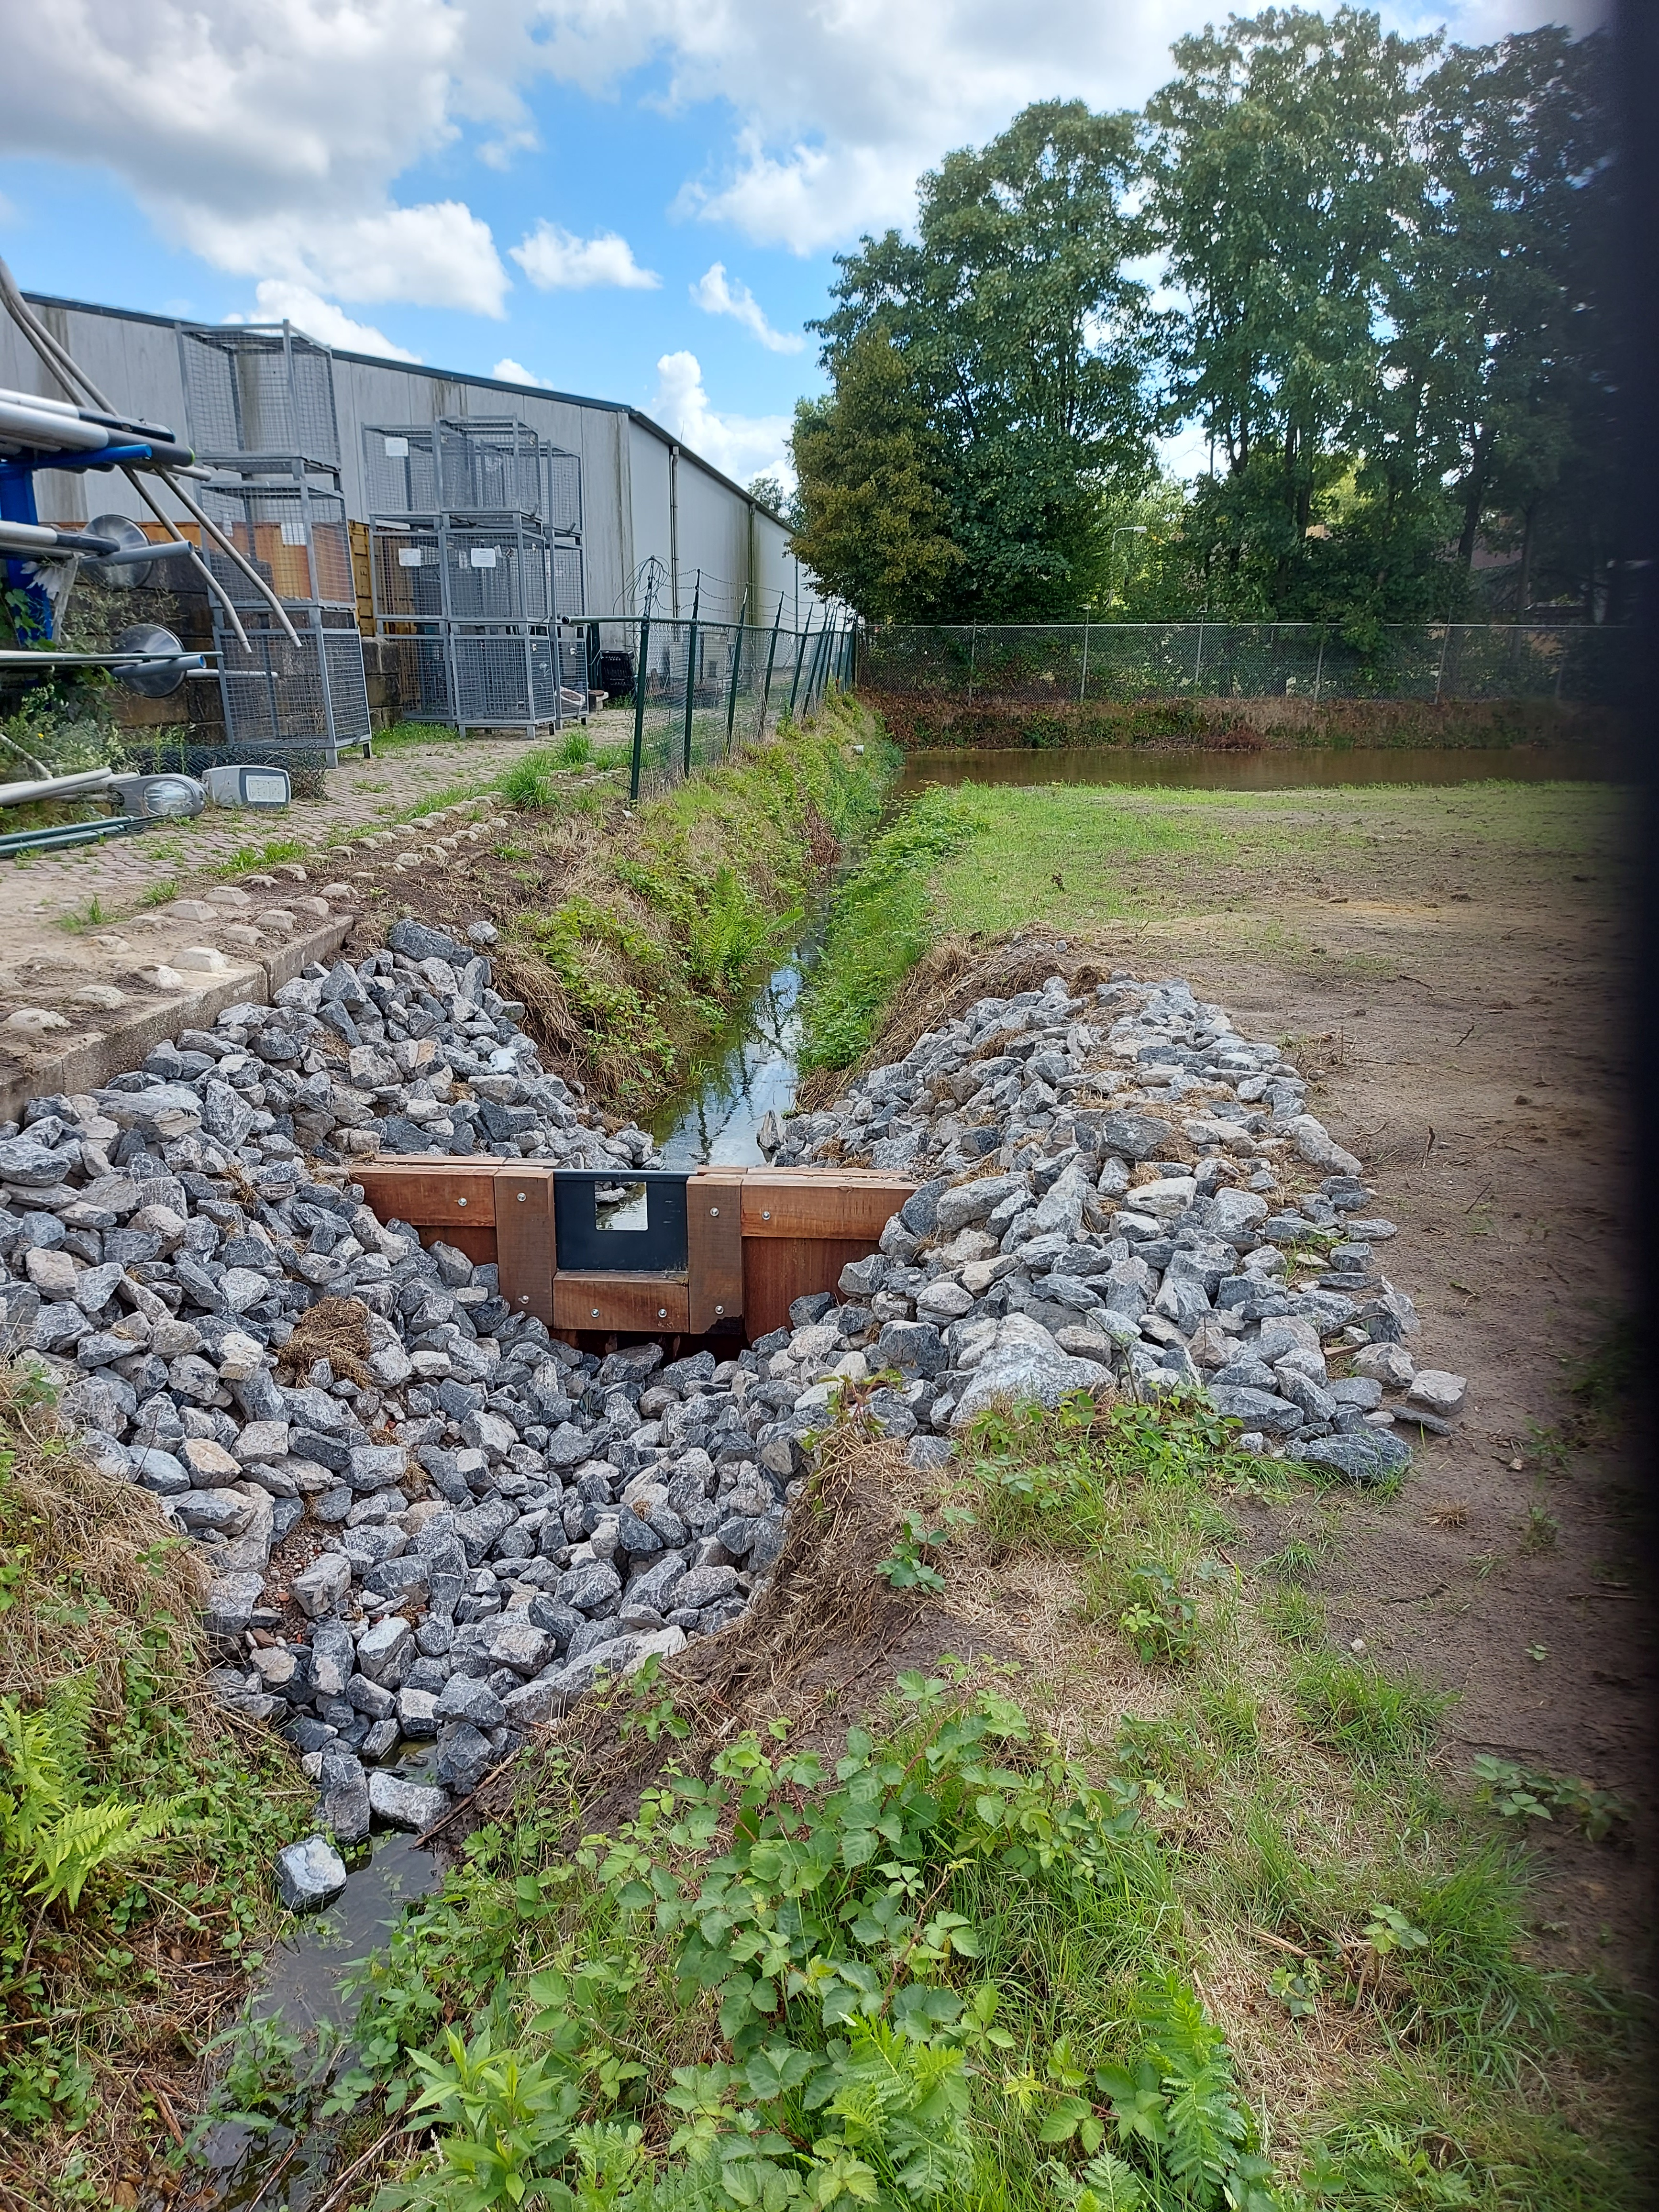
[[1314, 769]]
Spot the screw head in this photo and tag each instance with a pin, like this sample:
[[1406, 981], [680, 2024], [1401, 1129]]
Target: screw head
[[662, 1313], [714, 1213], [719, 1310], [460, 1201], [765, 1214], [522, 1198], [594, 1311]]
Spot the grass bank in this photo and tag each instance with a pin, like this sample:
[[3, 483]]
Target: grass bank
[[631, 935], [921, 723], [137, 1822], [1161, 1902]]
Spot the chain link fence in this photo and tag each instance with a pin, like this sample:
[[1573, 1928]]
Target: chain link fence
[[1073, 663], [695, 692]]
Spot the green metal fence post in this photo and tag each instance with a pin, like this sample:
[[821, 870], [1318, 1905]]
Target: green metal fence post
[[737, 662], [638, 705], [771, 655], [691, 669], [801, 662]]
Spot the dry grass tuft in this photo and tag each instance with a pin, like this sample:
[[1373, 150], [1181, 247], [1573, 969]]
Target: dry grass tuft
[[76, 1534], [334, 1329]]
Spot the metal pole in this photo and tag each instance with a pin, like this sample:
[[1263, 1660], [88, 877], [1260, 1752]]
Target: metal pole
[[771, 654], [973, 650], [800, 663], [1198, 668], [639, 703], [691, 669], [737, 662], [1319, 667], [1083, 681], [1440, 673]]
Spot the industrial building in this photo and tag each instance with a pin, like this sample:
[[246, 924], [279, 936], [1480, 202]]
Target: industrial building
[[652, 510]]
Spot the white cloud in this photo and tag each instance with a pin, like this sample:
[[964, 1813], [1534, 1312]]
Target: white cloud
[[269, 139], [281, 302], [716, 295], [557, 260], [740, 446], [508, 371], [436, 256]]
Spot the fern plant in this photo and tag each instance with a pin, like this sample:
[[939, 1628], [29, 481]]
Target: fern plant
[[55, 1835]]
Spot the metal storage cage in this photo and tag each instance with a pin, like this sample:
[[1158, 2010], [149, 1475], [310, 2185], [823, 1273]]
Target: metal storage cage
[[569, 599], [502, 678], [491, 465], [293, 532], [401, 472], [259, 389], [278, 694], [563, 505], [434, 570]]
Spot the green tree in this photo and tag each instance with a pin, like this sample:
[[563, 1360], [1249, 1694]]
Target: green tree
[[1283, 173], [871, 513], [1495, 380], [1024, 345]]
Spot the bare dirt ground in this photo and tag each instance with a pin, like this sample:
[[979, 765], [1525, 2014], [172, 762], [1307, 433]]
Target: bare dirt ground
[[1464, 1029]]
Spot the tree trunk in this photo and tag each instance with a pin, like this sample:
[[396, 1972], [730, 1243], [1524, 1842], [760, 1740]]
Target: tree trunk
[[1523, 581], [1474, 490]]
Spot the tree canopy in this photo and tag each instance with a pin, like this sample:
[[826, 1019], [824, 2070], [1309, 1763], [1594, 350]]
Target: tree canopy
[[1382, 260]]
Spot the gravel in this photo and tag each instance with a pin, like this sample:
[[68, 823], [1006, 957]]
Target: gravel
[[1116, 1185]]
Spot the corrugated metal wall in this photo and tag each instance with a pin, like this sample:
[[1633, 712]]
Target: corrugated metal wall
[[645, 495]]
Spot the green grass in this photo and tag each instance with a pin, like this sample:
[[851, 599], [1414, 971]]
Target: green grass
[[882, 923], [1373, 1717], [1252, 868]]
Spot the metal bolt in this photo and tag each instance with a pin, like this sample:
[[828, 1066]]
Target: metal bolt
[[594, 1311], [764, 1215], [460, 1201], [522, 1198], [525, 1300], [714, 1213], [662, 1313], [719, 1310]]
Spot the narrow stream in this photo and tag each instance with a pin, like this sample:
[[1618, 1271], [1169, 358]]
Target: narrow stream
[[749, 1072]]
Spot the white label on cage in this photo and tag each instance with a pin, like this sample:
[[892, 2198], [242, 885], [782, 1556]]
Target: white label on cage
[[408, 556], [397, 449], [294, 533], [483, 557]]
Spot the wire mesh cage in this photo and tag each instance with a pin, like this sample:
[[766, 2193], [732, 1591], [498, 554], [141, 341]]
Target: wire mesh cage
[[260, 389], [277, 693], [438, 570], [490, 465], [563, 507], [294, 533], [502, 678], [568, 598], [402, 469]]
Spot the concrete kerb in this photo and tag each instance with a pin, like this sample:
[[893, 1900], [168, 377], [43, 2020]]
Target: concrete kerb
[[91, 1061]]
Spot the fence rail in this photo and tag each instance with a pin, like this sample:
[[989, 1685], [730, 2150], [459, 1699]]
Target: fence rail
[[702, 690], [1061, 663]]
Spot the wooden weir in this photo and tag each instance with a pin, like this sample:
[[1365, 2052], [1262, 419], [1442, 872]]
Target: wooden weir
[[721, 1250]]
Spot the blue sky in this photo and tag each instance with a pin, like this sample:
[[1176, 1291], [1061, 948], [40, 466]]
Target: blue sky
[[639, 199]]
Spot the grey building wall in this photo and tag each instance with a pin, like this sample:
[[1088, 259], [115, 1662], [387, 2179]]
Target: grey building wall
[[647, 497]]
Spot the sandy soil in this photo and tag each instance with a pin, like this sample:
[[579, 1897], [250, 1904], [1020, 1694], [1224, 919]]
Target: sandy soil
[[1477, 1071]]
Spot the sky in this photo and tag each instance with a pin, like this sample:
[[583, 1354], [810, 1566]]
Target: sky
[[637, 200]]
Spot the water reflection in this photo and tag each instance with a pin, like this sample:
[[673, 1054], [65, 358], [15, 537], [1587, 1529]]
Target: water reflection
[[750, 1074]]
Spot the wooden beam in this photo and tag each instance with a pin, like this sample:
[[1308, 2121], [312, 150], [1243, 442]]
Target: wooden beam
[[641, 1305], [713, 1247], [525, 1252]]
